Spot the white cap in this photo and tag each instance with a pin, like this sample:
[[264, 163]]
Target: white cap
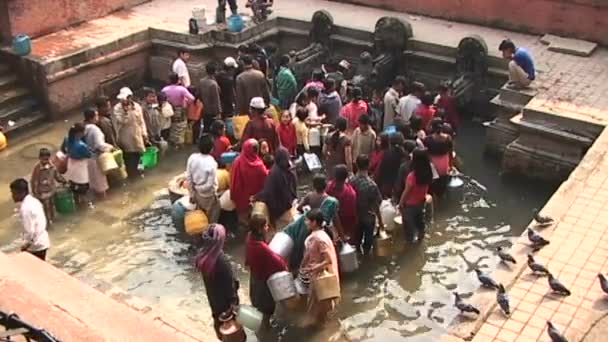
[[124, 93], [257, 103], [230, 62]]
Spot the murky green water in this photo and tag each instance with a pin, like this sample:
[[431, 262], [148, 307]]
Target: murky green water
[[408, 295]]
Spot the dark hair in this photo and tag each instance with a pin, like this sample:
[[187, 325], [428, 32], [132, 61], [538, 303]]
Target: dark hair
[[173, 78], [506, 44], [362, 162], [447, 129], [243, 48], [427, 99], [384, 141], [20, 186], [436, 125], [341, 125], [216, 127], [315, 215], [445, 86], [247, 60], [196, 93], [399, 80], [89, 114], [161, 97], [417, 87], [318, 75], [147, 91], [396, 139], [415, 123], [365, 120], [301, 98], [301, 113], [101, 101], [312, 92], [284, 60], [340, 173], [75, 129], [44, 152], [421, 166], [319, 183], [329, 84], [357, 94], [211, 68], [182, 51], [257, 223], [409, 145], [205, 143], [271, 48]]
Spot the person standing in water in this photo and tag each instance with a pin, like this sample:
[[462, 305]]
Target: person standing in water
[[44, 183], [221, 284], [31, 214], [413, 197], [201, 171]]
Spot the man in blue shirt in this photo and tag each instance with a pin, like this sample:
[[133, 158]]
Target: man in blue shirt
[[521, 65]]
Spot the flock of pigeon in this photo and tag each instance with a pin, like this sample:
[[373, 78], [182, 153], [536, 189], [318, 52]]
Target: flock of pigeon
[[537, 242]]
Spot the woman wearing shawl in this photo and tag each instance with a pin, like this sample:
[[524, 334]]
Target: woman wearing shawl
[[389, 166], [280, 190], [263, 263], [319, 256], [298, 232], [347, 196], [220, 282], [248, 175]]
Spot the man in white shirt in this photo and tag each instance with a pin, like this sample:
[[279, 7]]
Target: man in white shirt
[[201, 171], [409, 103], [391, 101], [181, 69], [31, 214]]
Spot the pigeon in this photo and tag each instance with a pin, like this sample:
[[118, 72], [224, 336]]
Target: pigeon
[[486, 280], [554, 334], [558, 287], [603, 282], [536, 267], [462, 306], [542, 220], [503, 300], [536, 239], [505, 257]]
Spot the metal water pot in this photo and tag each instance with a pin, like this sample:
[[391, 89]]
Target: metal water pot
[[383, 244], [282, 286], [327, 286], [282, 244], [232, 331], [348, 258], [249, 317]]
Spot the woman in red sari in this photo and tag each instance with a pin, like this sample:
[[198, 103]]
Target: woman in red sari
[[248, 176], [347, 197], [263, 263]]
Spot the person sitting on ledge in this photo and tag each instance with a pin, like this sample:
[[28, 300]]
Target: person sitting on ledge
[[521, 65]]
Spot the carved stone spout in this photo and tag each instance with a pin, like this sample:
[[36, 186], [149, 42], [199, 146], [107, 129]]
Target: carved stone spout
[[317, 52]]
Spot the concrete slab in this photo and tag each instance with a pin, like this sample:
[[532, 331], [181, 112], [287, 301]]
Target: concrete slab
[[569, 46]]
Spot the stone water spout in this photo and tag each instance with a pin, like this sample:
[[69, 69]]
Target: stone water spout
[[317, 52], [472, 68], [391, 37]]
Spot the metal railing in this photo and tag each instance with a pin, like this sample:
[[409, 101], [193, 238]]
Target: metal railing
[[15, 327]]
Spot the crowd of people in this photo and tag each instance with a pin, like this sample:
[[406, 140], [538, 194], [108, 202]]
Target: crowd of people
[[394, 144]]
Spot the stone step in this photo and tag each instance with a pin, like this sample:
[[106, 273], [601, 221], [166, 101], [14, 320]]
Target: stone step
[[8, 80], [552, 130], [565, 121], [93, 310], [12, 96], [500, 101]]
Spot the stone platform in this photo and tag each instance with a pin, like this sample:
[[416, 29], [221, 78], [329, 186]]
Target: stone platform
[[48, 298]]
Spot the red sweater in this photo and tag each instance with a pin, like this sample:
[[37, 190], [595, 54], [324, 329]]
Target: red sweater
[[262, 261], [287, 137]]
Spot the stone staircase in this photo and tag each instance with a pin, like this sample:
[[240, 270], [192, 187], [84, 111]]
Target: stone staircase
[[17, 104]]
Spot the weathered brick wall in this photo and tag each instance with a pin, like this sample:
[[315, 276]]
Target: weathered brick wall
[[39, 17], [585, 19]]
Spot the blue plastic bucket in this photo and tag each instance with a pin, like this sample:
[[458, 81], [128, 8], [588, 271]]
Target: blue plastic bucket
[[235, 23], [22, 45]]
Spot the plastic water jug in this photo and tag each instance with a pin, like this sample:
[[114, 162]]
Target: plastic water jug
[[235, 23], [22, 45]]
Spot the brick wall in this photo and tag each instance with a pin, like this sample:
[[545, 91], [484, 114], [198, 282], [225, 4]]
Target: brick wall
[[39, 17], [585, 19]]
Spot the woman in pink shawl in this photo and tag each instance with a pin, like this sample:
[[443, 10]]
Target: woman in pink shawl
[[248, 176], [347, 197], [220, 282], [319, 256]]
